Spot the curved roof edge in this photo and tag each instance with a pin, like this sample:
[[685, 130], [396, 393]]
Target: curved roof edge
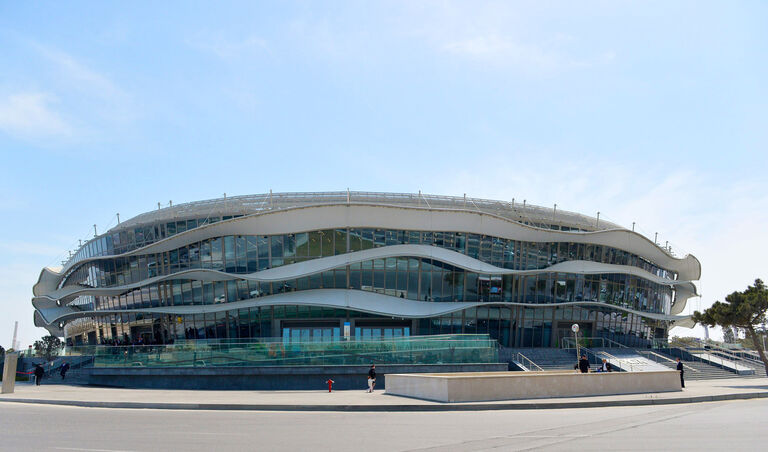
[[683, 293], [258, 203]]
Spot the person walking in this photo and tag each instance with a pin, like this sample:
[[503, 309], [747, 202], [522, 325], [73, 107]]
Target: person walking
[[682, 371], [38, 374], [63, 370], [583, 364], [372, 378]]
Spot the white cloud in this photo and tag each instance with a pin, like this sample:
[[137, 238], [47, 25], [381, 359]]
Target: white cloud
[[500, 35], [537, 56], [66, 101], [81, 76], [507, 51], [28, 115], [92, 98], [231, 49]]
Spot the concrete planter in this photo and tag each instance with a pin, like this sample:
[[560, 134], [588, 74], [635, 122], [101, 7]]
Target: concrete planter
[[488, 386]]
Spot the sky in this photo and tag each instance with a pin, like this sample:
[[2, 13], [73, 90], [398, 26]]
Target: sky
[[651, 112]]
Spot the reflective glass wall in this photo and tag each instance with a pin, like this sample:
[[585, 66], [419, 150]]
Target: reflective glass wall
[[512, 326], [248, 254], [406, 277]]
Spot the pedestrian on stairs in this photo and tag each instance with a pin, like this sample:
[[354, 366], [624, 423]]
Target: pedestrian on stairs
[[682, 371]]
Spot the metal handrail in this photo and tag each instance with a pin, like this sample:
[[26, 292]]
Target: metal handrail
[[570, 340], [736, 358], [610, 358], [712, 357], [526, 359], [711, 348], [712, 360], [603, 354], [660, 357]]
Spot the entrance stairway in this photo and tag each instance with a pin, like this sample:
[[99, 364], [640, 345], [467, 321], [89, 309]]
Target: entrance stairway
[[641, 359], [627, 359], [746, 358], [694, 369], [546, 358]]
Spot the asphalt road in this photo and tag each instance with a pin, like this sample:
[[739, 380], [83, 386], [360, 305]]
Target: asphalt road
[[731, 425]]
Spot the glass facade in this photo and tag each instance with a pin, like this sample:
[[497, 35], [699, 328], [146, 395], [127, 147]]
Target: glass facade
[[512, 326], [518, 310], [247, 254]]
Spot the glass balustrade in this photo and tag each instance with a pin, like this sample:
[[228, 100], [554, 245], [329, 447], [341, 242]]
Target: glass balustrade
[[439, 349]]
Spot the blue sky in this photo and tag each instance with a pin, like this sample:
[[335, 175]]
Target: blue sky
[[653, 112]]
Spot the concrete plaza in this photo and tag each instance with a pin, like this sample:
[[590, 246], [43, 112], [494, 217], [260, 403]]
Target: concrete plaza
[[728, 425], [84, 396]]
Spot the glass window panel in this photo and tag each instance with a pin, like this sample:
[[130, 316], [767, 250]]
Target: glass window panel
[[302, 244], [340, 241], [276, 242], [326, 239], [217, 261], [355, 240], [252, 254]]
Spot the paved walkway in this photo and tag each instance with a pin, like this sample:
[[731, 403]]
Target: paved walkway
[[695, 391]]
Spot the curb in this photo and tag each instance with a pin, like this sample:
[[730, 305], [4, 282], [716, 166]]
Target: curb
[[391, 408]]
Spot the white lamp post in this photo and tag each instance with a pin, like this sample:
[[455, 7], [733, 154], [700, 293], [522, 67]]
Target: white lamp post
[[575, 329]]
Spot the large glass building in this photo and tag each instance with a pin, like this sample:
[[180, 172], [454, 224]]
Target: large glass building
[[322, 266]]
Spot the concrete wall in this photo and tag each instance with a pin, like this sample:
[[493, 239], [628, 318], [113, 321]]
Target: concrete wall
[[264, 378], [486, 386]]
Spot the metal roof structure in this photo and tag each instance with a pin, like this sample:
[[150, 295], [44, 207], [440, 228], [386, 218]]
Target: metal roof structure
[[251, 204]]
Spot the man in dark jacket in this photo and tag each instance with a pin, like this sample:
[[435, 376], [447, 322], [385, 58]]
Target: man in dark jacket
[[584, 364], [38, 374], [372, 378], [682, 371], [63, 370]]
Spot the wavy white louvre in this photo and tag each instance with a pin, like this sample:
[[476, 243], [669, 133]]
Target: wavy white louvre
[[685, 289], [302, 219], [356, 300], [319, 265]]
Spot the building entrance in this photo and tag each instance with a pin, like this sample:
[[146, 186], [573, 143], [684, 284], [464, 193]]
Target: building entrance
[[332, 331], [311, 332]]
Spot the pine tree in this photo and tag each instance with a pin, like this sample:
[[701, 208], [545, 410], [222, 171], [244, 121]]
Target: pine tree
[[744, 310]]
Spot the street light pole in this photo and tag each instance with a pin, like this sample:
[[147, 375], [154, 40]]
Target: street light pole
[[575, 329]]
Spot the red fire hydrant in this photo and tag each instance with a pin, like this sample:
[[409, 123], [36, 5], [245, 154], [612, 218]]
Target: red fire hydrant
[[330, 384]]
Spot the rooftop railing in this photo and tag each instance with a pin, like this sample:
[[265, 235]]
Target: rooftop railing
[[248, 204]]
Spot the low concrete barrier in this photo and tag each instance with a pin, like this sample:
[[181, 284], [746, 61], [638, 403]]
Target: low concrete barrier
[[488, 386]]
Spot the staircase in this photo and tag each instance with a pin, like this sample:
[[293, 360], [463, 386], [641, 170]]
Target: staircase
[[641, 359], [745, 358], [75, 376], [546, 358], [694, 370], [758, 366], [628, 360]]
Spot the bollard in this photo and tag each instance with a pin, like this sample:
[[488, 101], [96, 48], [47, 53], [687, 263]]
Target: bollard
[[9, 373]]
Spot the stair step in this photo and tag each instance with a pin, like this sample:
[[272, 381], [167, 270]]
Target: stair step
[[559, 359]]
